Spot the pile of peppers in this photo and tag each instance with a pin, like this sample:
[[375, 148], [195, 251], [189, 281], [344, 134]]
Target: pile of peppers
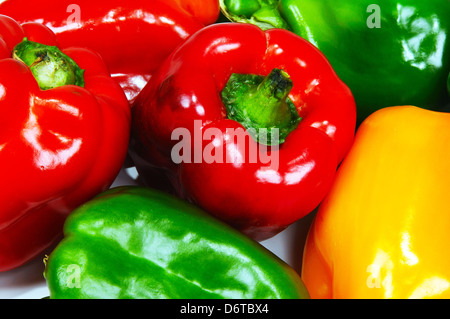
[[241, 117]]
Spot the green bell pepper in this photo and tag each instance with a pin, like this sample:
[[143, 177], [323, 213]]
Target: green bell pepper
[[388, 52], [134, 243]]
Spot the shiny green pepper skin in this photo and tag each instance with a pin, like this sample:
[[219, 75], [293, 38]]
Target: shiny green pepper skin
[[137, 243], [389, 52]]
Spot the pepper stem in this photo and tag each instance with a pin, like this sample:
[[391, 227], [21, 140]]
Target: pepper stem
[[261, 104], [51, 68], [262, 13]]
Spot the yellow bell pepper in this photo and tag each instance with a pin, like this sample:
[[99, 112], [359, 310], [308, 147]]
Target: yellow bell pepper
[[383, 231]]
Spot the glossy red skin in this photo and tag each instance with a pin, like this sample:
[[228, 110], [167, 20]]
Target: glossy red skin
[[187, 87], [207, 12], [58, 148], [132, 36]]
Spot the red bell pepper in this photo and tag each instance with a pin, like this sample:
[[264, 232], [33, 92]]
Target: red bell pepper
[[64, 136], [133, 37], [316, 123]]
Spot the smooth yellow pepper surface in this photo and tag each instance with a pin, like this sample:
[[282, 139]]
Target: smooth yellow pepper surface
[[384, 229]]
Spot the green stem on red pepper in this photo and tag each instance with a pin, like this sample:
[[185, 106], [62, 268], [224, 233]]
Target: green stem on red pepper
[[261, 104], [50, 67], [263, 13]]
